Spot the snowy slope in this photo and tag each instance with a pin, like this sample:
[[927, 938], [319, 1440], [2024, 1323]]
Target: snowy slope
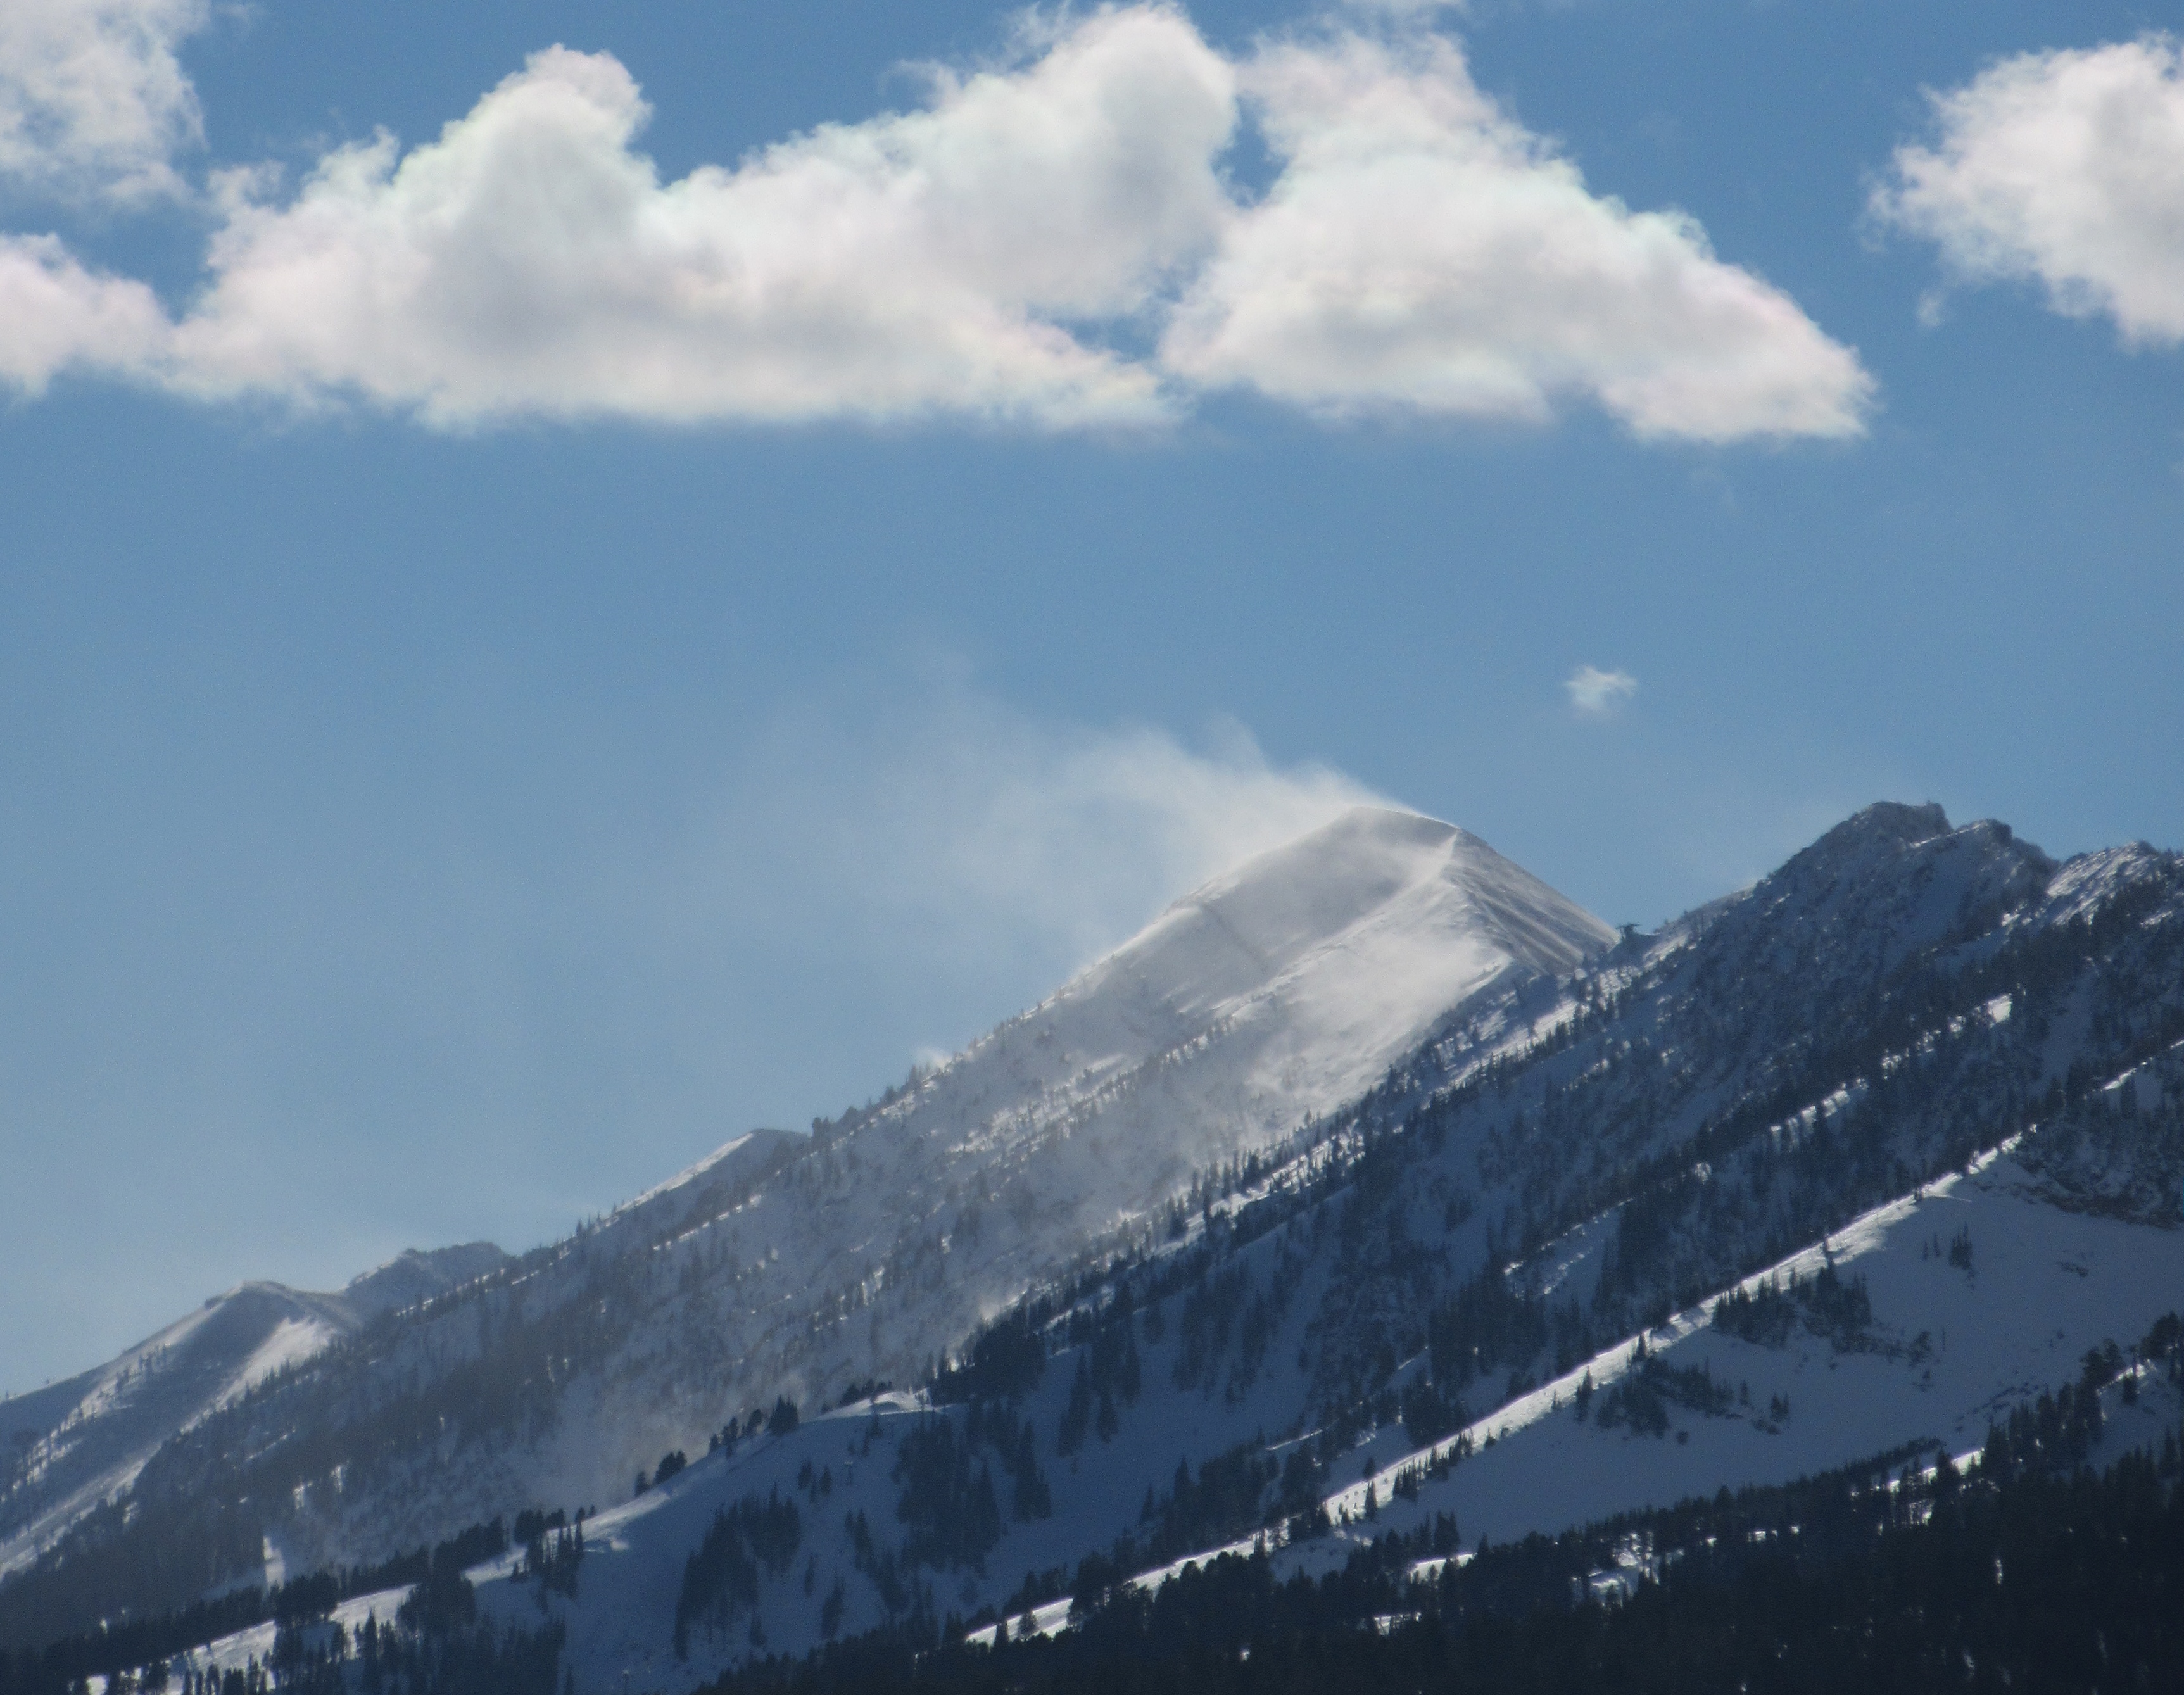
[[1948, 1350], [75, 1444]]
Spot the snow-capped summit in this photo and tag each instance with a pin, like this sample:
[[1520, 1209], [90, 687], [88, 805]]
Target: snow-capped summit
[[1386, 906], [1376, 889], [1278, 989]]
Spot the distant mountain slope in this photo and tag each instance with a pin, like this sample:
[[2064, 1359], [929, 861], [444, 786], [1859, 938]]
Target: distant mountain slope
[[1270, 997], [72, 1446]]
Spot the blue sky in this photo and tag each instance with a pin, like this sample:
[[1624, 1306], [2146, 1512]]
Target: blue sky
[[461, 761]]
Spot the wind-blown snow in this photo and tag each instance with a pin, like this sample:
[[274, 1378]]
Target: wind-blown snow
[[1275, 994]]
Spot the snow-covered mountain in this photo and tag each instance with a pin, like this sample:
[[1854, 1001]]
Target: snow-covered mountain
[[73, 1446], [782, 1264], [1881, 1093], [1371, 1183]]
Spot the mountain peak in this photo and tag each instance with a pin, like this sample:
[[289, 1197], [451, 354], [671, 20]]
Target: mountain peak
[[1893, 832], [1895, 822], [1373, 892]]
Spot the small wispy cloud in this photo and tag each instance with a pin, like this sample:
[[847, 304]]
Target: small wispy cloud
[[1598, 693]]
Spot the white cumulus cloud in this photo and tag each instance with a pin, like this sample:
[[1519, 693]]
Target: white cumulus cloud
[[1599, 694], [93, 97], [531, 262], [2065, 169], [1421, 251], [993, 254]]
